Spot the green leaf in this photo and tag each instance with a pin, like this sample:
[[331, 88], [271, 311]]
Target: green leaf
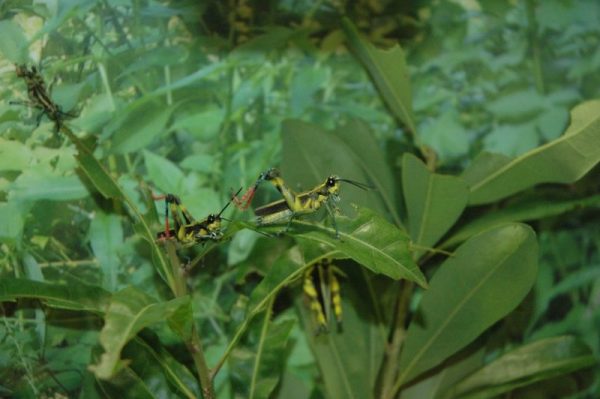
[[368, 239], [530, 210], [446, 135], [106, 236], [310, 154], [11, 222], [14, 155], [389, 72], [512, 140], [564, 160], [13, 43], [204, 125], [35, 187], [151, 357], [536, 361], [163, 173], [129, 311], [517, 105], [140, 127], [434, 202], [270, 357], [64, 296], [487, 277]]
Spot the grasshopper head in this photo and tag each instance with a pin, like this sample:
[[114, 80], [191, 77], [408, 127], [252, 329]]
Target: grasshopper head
[[270, 174], [332, 184]]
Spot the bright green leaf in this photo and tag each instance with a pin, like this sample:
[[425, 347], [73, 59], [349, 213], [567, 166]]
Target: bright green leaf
[[14, 155], [36, 187], [11, 222], [487, 277], [163, 173], [106, 236]]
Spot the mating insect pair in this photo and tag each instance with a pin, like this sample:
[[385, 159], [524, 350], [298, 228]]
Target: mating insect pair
[[39, 97], [293, 204]]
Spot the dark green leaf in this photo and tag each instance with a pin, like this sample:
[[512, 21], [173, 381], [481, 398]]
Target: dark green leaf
[[71, 296], [525, 365], [487, 277]]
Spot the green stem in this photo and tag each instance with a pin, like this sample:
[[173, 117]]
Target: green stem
[[258, 308], [193, 342], [534, 44], [261, 343], [390, 365]]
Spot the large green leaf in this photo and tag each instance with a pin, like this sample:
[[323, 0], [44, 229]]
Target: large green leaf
[[564, 160], [530, 210], [368, 239], [311, 154], [65, 296], [129, 311], [434, 202], [536, 361], [389, 72], [487, 277]]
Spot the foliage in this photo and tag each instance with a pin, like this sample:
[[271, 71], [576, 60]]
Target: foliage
[[484, 119]]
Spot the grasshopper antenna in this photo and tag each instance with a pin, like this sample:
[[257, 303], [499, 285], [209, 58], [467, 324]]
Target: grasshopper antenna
[[229, 203], [362, 186]]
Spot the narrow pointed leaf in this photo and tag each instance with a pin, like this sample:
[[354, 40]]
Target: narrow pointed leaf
[[370, 240], [72, 296], [536, 361], [129, 311], [434, 202], [389, 72], [564, 160], [487, 277]]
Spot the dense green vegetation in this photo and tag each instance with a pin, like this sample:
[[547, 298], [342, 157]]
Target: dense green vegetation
[[469, 270]]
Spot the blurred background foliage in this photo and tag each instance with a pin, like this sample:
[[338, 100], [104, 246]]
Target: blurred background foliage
[[190, 98]]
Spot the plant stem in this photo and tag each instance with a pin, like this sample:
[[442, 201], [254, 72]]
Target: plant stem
[[261, 343], [534, 45], [390, 365], [192, 342]]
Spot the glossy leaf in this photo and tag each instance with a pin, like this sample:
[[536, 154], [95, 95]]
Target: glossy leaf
[[389, 72], [368, 239], [536, 361], [564, 160], [434, 202], [64, 296], [487, 277], [531, 210], [129, 311]]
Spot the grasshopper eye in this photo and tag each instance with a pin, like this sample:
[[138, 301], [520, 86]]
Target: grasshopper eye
[[331, 181]]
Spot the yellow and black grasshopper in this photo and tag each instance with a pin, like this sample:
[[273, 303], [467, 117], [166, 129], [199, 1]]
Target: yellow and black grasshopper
[[292, 204], [39, 97], [322, 288], [187, 230]]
